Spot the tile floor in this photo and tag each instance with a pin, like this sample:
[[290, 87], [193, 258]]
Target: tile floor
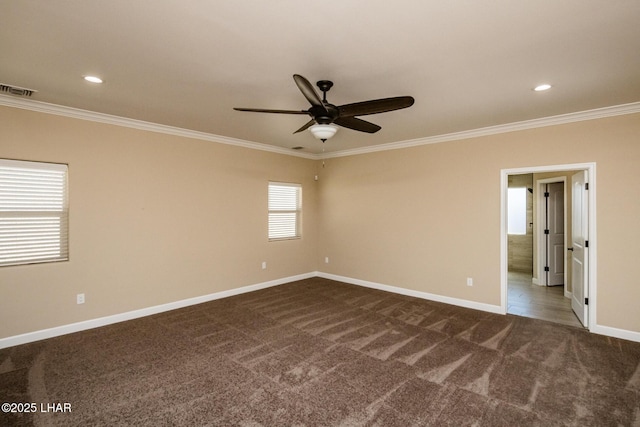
[[540, 302]]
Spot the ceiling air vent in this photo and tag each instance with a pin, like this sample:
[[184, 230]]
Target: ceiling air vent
[[16, 90]]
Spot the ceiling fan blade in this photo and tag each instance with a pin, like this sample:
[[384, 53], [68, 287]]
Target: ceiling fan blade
[[262, 110], [357, 124], [375, 106], [308, 91], [306, 126]]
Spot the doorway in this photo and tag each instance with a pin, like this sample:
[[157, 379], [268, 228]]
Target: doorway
[[551, 228], [536, 248], [524, 291], [553, 217]]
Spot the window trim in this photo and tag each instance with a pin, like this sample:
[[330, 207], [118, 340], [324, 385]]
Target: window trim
[[297, 211], [20, 183]]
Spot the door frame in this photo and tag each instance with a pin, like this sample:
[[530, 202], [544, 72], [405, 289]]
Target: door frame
[[539, 224], [591, 291]]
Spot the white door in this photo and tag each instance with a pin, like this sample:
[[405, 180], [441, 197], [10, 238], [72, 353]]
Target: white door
[[555, 234], [579, 243]]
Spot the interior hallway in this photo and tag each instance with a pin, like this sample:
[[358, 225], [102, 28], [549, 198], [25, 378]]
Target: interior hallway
[[540, 302]]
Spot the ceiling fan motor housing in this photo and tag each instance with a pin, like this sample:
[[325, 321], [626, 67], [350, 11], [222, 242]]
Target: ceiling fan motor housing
[[326, 115]]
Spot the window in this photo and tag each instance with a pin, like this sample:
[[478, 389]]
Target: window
[[285, 208], [33, 212], [517, 215]]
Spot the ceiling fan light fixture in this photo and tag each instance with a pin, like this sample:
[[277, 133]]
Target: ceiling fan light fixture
[[323, 132]]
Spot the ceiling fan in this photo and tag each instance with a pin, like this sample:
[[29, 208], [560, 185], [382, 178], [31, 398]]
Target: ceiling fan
[[324, 116]]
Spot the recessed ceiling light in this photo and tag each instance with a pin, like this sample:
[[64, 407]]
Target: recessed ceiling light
[[93, 79], [541, 88]]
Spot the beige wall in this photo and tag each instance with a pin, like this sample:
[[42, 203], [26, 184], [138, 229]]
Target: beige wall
[[154, 219], [422, 218], [426, 218]]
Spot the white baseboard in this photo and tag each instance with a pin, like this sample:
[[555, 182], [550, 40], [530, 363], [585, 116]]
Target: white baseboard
[[418, 294], [616, 333], [598, 329], [116, 318], [130, 315]]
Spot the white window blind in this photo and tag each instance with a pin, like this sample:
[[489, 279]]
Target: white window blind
[[33, 212], [285, 207]]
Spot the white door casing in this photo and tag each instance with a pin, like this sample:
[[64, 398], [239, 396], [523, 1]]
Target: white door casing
[[590, 200]]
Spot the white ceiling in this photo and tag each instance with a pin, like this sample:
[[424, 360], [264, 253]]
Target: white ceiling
[[186, 63]]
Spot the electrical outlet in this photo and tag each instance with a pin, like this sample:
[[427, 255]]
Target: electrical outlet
[[326, 260], [80, 299], [264, 265], [469, 281]]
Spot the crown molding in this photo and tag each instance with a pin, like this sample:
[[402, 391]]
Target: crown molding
[[76, 113], [599, 113]]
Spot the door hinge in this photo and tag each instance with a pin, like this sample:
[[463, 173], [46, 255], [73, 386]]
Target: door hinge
[[586, 243], [546, 231], [546, 268], [546, 194], [586, 185], [586, 301]]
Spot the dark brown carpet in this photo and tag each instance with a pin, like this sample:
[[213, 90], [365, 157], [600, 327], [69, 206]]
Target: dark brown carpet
[[322, 353]]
